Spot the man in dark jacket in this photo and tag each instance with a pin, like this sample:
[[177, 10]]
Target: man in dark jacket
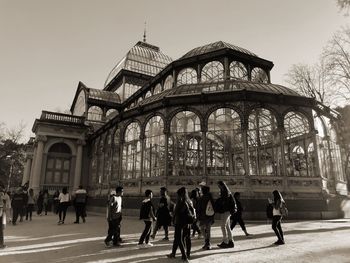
[[80, 204], [17, 204]]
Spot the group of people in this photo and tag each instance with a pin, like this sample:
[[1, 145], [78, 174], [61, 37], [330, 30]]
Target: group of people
[[195, 212]]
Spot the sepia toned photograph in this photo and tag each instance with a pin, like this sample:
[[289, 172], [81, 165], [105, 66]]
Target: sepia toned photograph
[[160, 131]]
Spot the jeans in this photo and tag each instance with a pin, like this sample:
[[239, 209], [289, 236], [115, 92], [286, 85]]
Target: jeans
[[79, 211], [158, 226], [63, 210], [113, 231], [276, 226], [146, 232], [182, 237], [206, 228], [225, 227], [237, 218]]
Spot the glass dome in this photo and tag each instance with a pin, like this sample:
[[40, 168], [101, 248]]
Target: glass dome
[[142, 58]]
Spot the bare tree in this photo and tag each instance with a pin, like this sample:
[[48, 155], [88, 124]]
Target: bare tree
[[336, 56], [310, 81], [344, 5]]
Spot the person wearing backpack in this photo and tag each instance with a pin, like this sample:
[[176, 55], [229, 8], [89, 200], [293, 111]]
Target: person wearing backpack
[[165, 207], [194, 196], [279, 205], [114, 217], [237, 217], [184, 216], [225, 205], [206, 214], [147, 215]]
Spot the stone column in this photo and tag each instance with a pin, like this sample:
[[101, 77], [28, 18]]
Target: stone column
[[27, 169], [78, 164], [41, 139]]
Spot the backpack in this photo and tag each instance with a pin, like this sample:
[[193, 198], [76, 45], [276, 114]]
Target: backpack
[[269, 210], [283, 209], [209, 211], [113, 208], [145, 210]]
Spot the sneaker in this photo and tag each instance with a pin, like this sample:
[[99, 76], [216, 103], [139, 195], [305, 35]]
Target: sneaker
[[230, 244], [107, 244], [279, 242], [165, 239], [223, 245], [152, 237], [149, 244], [141, 246], [84, 220], [171, 255]]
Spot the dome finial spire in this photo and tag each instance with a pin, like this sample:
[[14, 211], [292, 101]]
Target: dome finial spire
[[144, 33]]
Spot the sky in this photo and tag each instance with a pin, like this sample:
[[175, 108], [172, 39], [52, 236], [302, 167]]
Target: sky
[[47, 46]]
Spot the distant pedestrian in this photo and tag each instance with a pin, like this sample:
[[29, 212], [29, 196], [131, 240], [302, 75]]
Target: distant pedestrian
[[64, 203], [237, 217], [56, 201], [23, 210], [184, 216], [30, 204], [165, 208], [114, 217], [206, 214], [195, 194], [8, 207], [147, 214], [46, 198], [17, 204], [80, 198], [40, 202], [225, 205], [279, 206], [2, 215]]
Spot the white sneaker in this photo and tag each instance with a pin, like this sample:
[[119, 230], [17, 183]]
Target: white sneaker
[[141, 245], [149, 244]]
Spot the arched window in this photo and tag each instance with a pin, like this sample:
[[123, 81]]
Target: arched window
[[296, 140], [130, 89], [111, 113], [185, 155], [95, 113], [168, 83], [238, 71], [224, 143], [157, 89], [259, 75], [263, 143], [212, 71], [58, 165], [154, 152], [187, 76], [132, 152]]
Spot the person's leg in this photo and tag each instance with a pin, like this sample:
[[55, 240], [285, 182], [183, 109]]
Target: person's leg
[[64, 212], [275, 220], [223, 228], [149, 230], [15, 215], [177, 239], [279, 228], [110, 232], [166, 231], [117, 229], [233, 221], [60, 210], [27, 212], [228, 230], [155, 229], [1, 233], [144, 233], [187, 240]]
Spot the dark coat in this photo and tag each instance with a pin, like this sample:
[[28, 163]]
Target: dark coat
[[163, 212], [202, 207], [181, 212]]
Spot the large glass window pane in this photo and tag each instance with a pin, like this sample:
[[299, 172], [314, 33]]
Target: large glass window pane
[[259, 75], [132, 152], [187, 76], [212, 71], [238, 71], [95, 113]]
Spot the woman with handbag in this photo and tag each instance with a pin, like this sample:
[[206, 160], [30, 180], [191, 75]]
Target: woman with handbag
[[184, 216]]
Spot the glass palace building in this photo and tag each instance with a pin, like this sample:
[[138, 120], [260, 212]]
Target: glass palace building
[[211, 115]]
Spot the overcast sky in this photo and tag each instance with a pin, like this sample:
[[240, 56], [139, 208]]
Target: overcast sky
[[47, 47]]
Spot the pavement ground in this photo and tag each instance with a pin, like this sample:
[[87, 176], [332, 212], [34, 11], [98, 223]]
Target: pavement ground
[[42, 240]]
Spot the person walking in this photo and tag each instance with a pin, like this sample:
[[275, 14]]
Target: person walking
[[163, 215], [2, 215], [278, 205], [147, 215], [30, 204], [79, 204], [46, 198], [40, 202], [114, 217], [64, 203], [23, 209], [184, 216], [17, 204], [237, 217], [206, 214], [225, 205]]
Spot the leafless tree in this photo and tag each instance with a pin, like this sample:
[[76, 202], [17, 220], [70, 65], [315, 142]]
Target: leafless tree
[[344, 5], [336, 56], [310, 81]]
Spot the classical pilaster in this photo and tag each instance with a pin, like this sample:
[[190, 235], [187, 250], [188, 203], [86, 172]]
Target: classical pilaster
[[40, 139], [78, 164], [27, 169]]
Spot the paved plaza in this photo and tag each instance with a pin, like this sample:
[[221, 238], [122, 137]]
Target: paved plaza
[[42, 240]]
